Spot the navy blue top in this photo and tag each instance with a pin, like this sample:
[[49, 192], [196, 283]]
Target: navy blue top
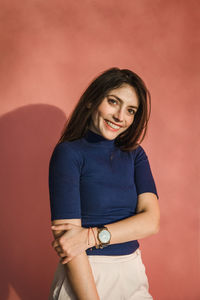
[[93, 180]]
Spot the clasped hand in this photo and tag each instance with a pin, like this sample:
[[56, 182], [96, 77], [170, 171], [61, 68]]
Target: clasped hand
[[71, 243]]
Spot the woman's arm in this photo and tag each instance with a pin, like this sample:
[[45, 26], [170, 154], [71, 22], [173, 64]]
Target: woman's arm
[[78, 270], [143, 224]]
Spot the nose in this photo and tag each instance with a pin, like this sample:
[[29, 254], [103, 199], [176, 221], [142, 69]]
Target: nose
[[118, 115]]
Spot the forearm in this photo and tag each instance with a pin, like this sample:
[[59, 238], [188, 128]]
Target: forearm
[[81, 279], [136, 227], [78, 271]]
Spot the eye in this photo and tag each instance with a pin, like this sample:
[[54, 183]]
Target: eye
[[131, 111], [112, 101]]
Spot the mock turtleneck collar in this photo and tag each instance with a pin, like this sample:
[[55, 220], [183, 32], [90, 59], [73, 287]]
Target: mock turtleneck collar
[[98, 140]]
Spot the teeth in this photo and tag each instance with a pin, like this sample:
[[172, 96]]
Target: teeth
[[112, 125]]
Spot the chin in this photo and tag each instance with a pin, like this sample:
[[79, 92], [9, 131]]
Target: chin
[[110, 135]]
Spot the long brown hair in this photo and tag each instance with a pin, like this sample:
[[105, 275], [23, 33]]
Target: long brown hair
[[78, 123]]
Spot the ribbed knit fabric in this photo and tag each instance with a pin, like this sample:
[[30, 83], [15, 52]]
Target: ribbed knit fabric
[[92, 179]]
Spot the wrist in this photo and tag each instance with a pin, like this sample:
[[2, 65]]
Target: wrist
[[92, 237], [94, 234], [103, 236]]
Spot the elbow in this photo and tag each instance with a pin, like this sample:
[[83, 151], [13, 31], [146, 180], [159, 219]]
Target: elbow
[[156, 227], [156, 223]]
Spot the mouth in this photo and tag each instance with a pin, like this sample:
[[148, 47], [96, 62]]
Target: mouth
[[112, 126]]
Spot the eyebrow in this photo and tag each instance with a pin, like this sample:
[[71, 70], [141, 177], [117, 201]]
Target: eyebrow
[[123, 101]]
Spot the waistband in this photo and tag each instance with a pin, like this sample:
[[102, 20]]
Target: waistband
[[113, 258]]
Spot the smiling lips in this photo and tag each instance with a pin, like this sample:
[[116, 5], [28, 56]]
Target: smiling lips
[[112, 126]]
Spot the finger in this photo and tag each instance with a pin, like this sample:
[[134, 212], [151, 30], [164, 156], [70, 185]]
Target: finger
[[58, 249], [63, 255], [60, 252], [55, 244], [65, 260], [61, 227], [60, 224]]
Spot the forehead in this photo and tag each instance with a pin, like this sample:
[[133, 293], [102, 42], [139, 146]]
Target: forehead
[[126, 93]]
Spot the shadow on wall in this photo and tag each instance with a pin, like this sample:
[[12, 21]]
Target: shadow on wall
[[27, 137]]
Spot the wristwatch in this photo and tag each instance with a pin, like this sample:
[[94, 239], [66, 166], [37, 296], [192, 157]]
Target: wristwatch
[[104, 236]]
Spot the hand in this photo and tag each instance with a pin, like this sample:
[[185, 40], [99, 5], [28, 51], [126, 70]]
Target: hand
[[72, 242]]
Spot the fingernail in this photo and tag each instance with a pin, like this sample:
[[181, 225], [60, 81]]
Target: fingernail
[[52, 226]]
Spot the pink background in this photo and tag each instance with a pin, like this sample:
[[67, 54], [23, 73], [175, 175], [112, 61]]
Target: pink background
[[49, 52]]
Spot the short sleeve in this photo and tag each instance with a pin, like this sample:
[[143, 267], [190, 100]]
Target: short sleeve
[[144, 180], [64, 181]]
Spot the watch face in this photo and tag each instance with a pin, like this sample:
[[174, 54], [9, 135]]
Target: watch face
[[104, 236]]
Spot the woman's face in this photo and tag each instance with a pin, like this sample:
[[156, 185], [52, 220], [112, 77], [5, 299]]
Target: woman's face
[[115, 113]]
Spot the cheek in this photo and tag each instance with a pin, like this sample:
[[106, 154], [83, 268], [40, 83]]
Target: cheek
[[95, 116], [129, 121], [104, 109]]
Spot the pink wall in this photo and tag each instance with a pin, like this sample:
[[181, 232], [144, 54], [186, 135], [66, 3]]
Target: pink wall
[[49, 52]]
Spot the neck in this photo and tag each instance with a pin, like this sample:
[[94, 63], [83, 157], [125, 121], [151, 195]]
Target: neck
[[96, 139]]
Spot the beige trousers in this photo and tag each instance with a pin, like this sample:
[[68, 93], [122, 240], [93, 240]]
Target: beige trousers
[[117, 278]]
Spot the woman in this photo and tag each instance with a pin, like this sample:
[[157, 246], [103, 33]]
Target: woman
[[102, 193]]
